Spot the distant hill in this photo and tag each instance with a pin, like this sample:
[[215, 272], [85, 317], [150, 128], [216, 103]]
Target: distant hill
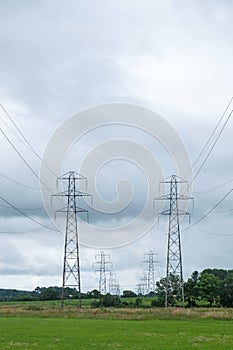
[[13, 294]]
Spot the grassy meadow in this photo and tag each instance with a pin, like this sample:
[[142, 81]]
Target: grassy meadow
[[44, 325]]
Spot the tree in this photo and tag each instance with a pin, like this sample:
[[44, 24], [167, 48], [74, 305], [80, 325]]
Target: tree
[[160, 291], [128, 294], [226, 292], [110, 300], [172, 288], [138, 302], [208, 287], [219, 273], [191, 290], [94, 294], [50, 293]]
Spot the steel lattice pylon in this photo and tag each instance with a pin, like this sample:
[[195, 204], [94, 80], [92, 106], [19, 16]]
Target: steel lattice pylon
[[142, 285], [174, 268], [71, 265], [102, 266], [114, 287], [150, 261]]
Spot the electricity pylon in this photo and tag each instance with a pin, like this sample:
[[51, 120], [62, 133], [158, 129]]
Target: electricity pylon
[[71, 265], [111, 277], [174, 254], [114, 287], [102, 266], [150, 260], [142, 285]]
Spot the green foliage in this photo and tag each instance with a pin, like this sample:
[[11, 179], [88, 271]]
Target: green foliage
[[51, 293], [94, 294], [138, 302], [54, 293], [157, 303], [128, 294], [107, 300], [128, 303], [226, 292], [212, 286], [160, 290], [172, 285], [95, 304], [191, 290], [110, 300], [13, 294], [220, 274], [25, 297], [208, 287]]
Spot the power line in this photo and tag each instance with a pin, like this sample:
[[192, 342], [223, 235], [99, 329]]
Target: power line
[[209, 141], [214, 188], [207, 156], [25, 139], [8, 127], [214, 211], [23, 232], [209, 211], [26, 215], [214, 233], [22, 184], [19, 154], [23, 159], [26, 163], [28, 145], [17, 128], [212, 134], [212, 147], [23, 209]]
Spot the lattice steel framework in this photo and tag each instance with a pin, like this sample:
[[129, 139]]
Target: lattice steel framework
[[142, 285], [114, 287], [71, 265], [103, 266], [174, 254], [150, 260]]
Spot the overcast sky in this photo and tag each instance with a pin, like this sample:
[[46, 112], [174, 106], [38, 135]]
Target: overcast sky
[[58, 58]]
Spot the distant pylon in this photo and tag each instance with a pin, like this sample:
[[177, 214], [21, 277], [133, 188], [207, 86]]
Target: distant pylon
[[114, 287], [102, 266], [142, 285], [150, 260], [71, 265], [174, 254]]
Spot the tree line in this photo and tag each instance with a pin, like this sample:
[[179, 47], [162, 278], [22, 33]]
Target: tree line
[[211, 287], [215, 286]]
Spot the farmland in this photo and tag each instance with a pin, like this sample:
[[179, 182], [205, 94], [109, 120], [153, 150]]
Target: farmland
[[44, 325]]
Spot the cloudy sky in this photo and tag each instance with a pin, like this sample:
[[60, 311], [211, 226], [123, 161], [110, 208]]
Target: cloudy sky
[[61, 57]]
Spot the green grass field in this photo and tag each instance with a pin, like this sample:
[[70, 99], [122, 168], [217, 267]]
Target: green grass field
[[70, 334], [46, 326]]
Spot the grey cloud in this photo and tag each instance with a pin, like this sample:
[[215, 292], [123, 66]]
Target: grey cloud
[[59, 57]]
